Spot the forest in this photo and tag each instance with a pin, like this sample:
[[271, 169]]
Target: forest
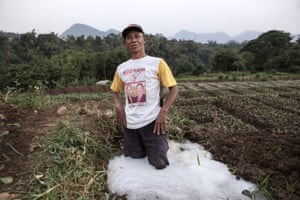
[[32, 60]]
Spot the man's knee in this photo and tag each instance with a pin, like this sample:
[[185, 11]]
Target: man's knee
[[136, 154], [159, 162]]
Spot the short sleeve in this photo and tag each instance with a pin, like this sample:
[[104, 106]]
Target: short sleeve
[[117, 84], [165, 74]]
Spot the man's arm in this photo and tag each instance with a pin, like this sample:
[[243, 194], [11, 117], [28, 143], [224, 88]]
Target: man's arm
[[161, 120], [121, 116]]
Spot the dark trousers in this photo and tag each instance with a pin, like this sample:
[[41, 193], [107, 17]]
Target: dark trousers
[[142, 142]]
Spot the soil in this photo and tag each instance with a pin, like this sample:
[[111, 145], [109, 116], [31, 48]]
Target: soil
[[251, 155]]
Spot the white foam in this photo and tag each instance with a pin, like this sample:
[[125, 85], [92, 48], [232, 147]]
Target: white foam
[[192, 174]]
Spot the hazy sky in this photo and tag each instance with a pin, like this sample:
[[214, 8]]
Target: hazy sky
[[156, 16]]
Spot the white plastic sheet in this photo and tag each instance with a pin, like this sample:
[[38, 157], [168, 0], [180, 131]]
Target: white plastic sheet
[[192, 174]]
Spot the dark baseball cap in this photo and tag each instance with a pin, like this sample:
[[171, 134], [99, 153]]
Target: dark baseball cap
[[131, 27]]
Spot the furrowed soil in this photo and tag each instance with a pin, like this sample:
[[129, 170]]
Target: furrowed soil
[[253, 127]]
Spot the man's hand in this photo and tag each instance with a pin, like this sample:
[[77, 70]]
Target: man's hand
[[160, 126], [121, 116]]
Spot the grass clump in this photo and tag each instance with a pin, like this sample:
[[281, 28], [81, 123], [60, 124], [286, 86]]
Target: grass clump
[[44, 101], [75, 163], [178, 125]]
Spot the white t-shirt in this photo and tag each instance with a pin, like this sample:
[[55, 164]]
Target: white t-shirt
[[141, 80]]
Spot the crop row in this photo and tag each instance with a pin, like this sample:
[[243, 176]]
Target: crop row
[[203, 112], [273, 106], [259, 114]]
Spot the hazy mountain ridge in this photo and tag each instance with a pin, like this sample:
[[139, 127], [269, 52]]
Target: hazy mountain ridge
[[220, 37], [78, 30]]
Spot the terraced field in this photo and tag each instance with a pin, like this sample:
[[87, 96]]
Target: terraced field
[[243, 106], [254, 127]]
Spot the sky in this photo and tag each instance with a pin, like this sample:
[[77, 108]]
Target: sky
[[165, 17]]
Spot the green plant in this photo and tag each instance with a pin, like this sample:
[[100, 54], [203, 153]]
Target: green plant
[[291, 188], [177, 125], [9, 92], [198, 159], [234, 171], [75, 165], [220, 77], [44, 101], [234, 77], [263, 188]]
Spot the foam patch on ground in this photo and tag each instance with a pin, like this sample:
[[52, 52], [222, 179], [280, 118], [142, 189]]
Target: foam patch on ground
[[192, 174]]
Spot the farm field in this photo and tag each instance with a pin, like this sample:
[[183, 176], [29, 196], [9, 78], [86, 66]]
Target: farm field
[[253, 127]]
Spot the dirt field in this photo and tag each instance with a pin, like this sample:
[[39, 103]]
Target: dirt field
[[261, 141]]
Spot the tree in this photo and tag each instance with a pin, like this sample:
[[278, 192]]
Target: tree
[[29, 60], [26, 46], [227, 60], [270, 50], [49, 45], [248, 59], [5, 49]]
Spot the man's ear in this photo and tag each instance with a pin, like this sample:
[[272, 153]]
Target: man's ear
[[145, 39]]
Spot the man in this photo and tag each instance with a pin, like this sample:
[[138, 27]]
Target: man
[[140, 93], [129, 93], [144, 122]]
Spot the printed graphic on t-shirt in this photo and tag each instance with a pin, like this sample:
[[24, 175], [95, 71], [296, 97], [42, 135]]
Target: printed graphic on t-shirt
[[135, 87]]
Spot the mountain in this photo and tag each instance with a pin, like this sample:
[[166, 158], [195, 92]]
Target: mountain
[[111, 31], [246, 36], [218, 37], [78, 30]]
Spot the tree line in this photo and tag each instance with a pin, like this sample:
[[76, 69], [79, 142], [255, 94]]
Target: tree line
[[32, 60]]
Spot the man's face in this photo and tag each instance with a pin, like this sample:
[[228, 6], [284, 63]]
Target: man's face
[[140, 90], [135, 41], [129, 90]]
